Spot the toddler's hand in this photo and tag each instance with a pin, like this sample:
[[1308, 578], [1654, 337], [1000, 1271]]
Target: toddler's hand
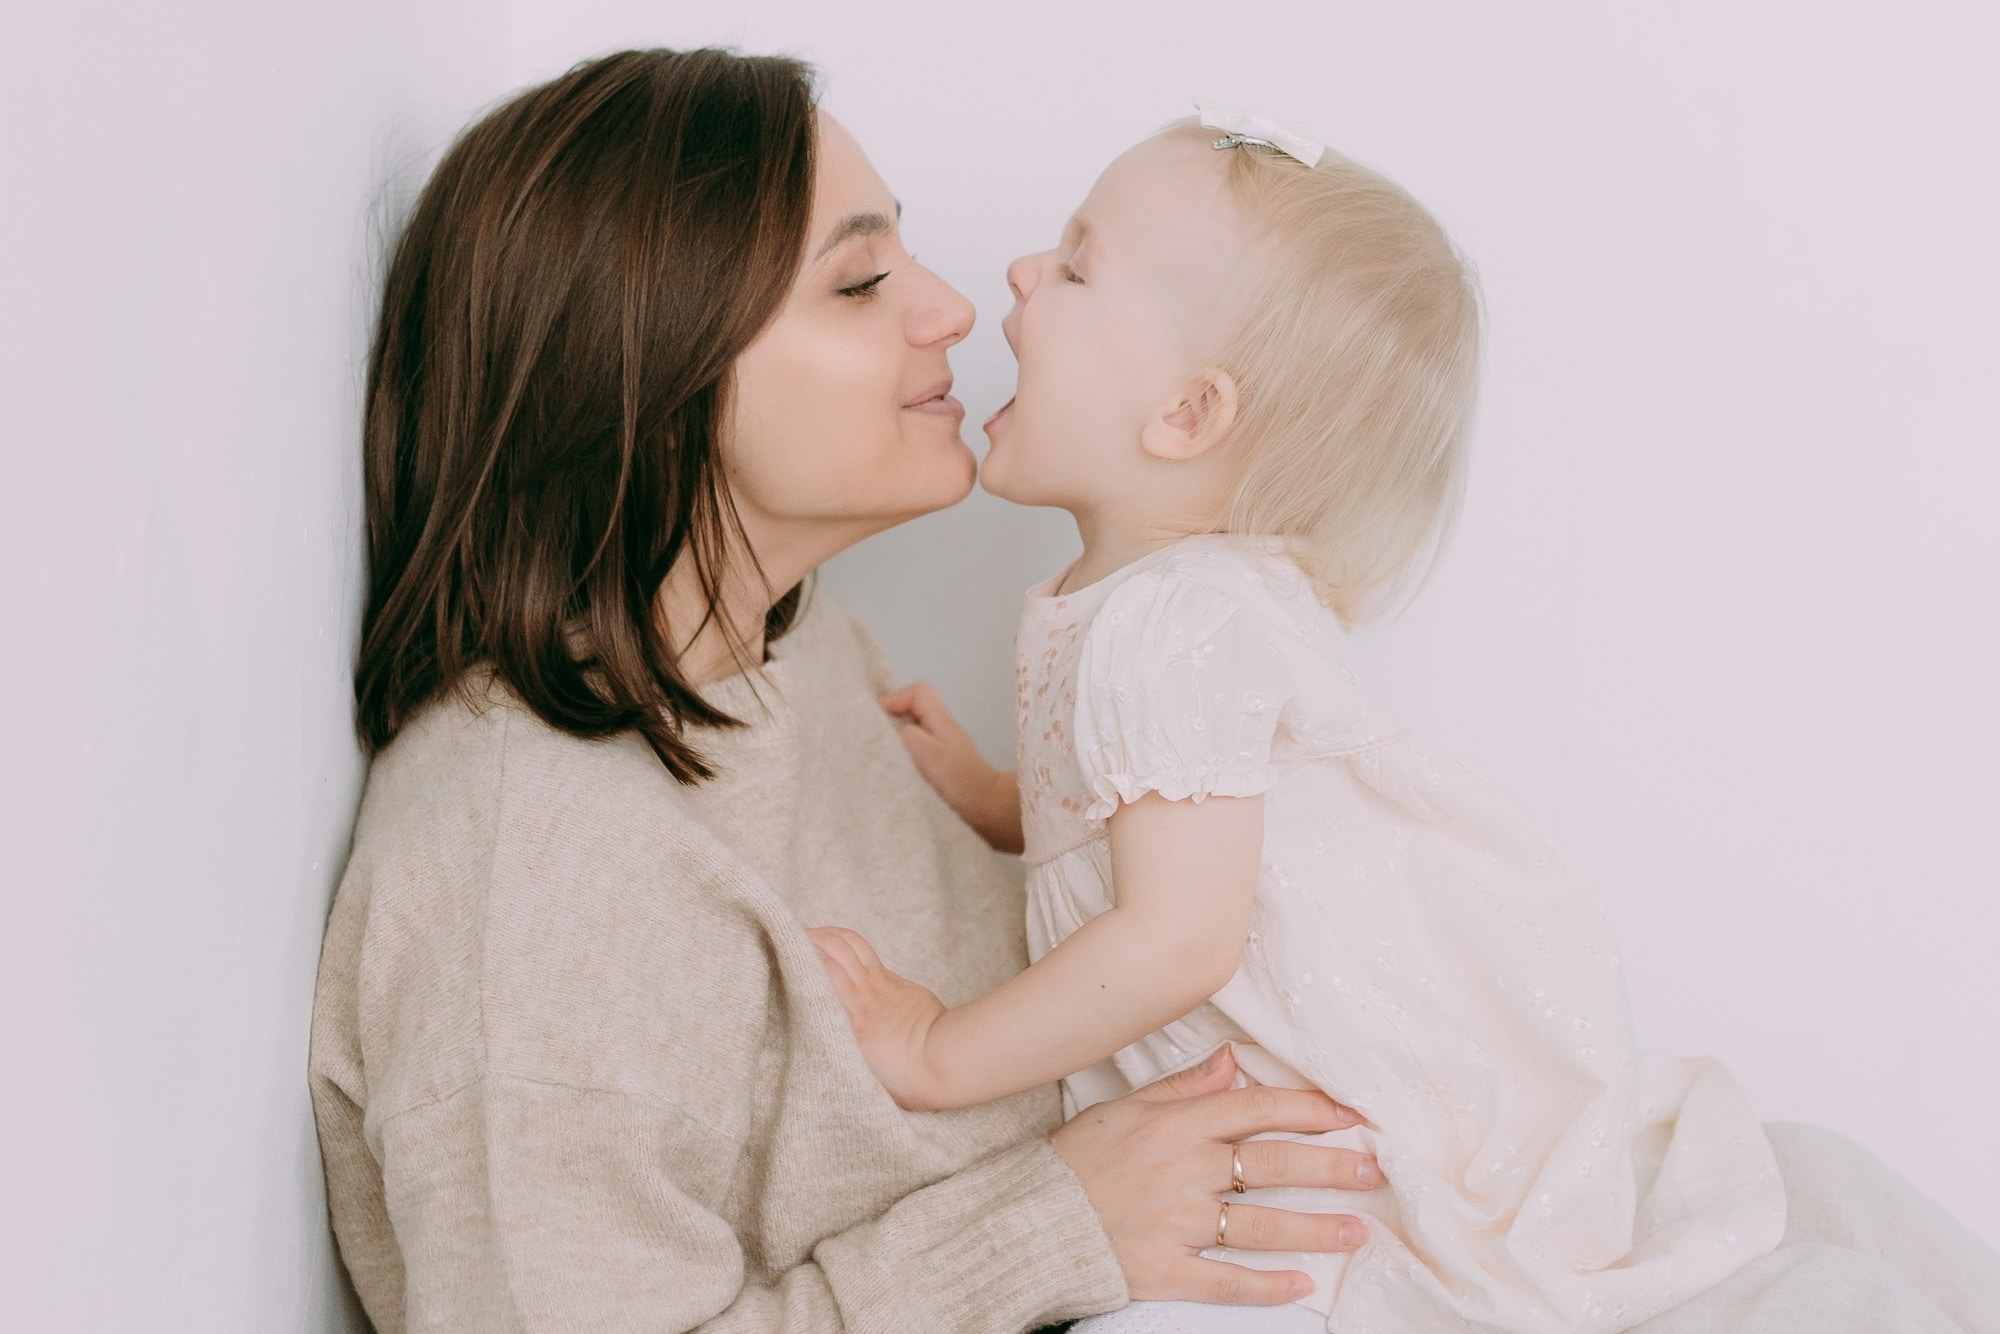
[[891, 1015], [984, 797]]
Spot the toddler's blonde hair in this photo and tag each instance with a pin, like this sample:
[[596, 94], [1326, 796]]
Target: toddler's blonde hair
[[1357, 362]]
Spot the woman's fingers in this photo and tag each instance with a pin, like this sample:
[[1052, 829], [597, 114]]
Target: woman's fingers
[[1255, 1228], [1237, 1114], [1279, 1162], [1223, 1284], [1213, 1075], [1156, 1166]]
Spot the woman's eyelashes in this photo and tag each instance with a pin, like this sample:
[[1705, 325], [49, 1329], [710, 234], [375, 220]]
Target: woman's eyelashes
[[864, 289]]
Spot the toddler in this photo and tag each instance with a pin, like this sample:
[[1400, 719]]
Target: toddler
[[1247, 371]]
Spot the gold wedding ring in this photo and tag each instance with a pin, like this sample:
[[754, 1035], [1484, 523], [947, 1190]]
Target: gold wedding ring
[[1222, 1226], [1236, 1169]]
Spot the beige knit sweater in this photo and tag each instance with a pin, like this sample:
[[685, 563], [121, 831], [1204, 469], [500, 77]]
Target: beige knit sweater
[[576, 1066]]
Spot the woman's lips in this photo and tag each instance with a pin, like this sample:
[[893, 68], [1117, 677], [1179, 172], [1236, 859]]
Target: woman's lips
[[942, 406], [937, 401]]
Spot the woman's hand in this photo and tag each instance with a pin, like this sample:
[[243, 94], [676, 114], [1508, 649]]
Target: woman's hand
[[891, 1015], [1156, 1165], [984, 797]]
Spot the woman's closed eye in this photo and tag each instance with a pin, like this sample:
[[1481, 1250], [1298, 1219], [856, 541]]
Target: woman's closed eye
[[864, 289]]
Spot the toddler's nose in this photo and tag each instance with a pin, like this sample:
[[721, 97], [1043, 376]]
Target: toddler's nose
[[1021, 276]]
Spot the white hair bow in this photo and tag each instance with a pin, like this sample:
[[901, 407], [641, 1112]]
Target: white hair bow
[[1247, 127]]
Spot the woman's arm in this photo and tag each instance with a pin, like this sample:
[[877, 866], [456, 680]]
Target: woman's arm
[[622, 1230], [1184, 874], [619, 1231]]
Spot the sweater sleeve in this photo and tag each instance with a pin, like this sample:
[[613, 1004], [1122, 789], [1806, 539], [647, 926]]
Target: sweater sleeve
[[527, 1206]]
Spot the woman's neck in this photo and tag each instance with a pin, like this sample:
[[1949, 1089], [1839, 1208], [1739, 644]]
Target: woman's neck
[[723, 637], [712, 643]]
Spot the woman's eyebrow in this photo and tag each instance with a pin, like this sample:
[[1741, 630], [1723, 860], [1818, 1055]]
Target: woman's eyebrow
[[857, 224]]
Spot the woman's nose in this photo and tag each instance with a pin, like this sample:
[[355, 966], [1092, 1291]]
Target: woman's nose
[[1021, 276], [944, 315]]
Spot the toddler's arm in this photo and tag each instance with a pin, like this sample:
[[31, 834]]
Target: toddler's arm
[[984, 797], [1185, 874]]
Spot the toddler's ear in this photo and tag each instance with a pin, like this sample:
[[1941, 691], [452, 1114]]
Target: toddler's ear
[[1195, 420]]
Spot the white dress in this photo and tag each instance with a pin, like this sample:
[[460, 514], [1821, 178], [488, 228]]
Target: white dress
[[1417, 950]]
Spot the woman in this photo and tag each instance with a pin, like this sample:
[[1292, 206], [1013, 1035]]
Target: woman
[[650, 351]]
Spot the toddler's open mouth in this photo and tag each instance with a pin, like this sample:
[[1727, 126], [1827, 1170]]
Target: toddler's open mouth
[[1005, 408]]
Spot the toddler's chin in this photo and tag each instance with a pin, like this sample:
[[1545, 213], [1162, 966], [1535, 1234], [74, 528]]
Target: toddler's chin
[[994, 477]]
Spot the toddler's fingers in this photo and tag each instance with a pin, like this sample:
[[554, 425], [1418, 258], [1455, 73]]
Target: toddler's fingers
[[924, 747], [906, 702], [921, 703], [850, 946], [864, 953], [842, 983], [837, 953]]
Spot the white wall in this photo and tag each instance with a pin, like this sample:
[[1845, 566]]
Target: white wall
[[184, 286], [1723, 603]]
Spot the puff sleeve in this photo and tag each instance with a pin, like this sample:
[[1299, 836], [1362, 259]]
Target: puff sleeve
[[1181, 689]]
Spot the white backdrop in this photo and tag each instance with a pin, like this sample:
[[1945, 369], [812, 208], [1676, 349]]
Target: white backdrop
[[185, 248], [1722, 605]]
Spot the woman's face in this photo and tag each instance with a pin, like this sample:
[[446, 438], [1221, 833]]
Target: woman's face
[[842, 421]]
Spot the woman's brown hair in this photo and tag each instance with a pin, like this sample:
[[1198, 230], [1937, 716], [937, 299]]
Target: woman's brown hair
[[549, 382]]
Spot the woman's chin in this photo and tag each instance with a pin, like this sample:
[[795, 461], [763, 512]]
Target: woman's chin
[[948, 471], [967, 478]]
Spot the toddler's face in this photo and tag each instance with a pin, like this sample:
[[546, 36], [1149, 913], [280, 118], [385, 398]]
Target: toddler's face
[[1113, 321]]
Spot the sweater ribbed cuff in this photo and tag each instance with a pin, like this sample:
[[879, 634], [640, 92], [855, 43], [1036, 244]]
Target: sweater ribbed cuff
[[1007, 1245]]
